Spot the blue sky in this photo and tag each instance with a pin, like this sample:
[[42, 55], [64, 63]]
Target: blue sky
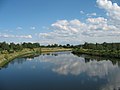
[[26, 13], [37, 20]]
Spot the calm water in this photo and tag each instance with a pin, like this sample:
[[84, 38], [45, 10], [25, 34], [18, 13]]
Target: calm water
[[61, 71]]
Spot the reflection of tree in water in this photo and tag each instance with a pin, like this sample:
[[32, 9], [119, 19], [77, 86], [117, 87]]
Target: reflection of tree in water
[[90, 57], [54, 54], [50, 54], [19, 61], [87, 59], [57, 53], [6, 66]]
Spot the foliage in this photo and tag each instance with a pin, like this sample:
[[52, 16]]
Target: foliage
[[103, 46], [6, 56], [10, 48], [104, 49]]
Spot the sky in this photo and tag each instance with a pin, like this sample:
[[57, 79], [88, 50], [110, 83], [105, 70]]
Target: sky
[[60, 21]]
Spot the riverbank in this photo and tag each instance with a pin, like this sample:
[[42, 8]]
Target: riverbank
[[6, 58], [101, 53]]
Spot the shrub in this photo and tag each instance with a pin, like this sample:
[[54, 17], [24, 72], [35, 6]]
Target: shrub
[[6, 56], [4, 52]]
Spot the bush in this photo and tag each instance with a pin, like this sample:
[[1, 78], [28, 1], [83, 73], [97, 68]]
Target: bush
[[4, 52], [6, 56], [11, 51]]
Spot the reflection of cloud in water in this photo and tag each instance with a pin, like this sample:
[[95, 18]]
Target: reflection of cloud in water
[[92, 68], [113, 81], [29, 59], [70, 64], [33, 67]]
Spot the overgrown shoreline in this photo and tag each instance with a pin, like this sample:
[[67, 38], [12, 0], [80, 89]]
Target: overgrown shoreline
[[101, 53], [6, 58]]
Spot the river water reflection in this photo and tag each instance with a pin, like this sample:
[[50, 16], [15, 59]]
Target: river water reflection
[[61, 71]]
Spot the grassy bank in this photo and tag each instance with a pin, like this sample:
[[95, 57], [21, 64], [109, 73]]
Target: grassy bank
[[44, 50], [6, 58], [102, 53]]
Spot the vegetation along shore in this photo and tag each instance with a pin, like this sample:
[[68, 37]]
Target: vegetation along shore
[[105, 49], [8, 52]]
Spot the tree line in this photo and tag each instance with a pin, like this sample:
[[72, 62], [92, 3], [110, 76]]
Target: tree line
[[111, 50], [11, 47], [58, 45], [103, 46]]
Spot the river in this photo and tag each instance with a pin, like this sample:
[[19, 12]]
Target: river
[[61, 71]]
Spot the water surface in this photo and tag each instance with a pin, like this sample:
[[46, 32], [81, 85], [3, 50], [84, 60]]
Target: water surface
[[61, 71]]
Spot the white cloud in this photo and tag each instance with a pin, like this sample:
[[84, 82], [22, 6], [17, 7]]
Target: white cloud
[[4, 35], [33, 28], [75, 31], [82, 12], [63, 31], [97, 29], [99, 23], [112, 11], [24, 36], [91, 14], [19, 28], [97, 20], [72, 26]]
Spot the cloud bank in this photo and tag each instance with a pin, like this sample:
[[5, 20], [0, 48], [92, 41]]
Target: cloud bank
[[93, 29], [4, 35]]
